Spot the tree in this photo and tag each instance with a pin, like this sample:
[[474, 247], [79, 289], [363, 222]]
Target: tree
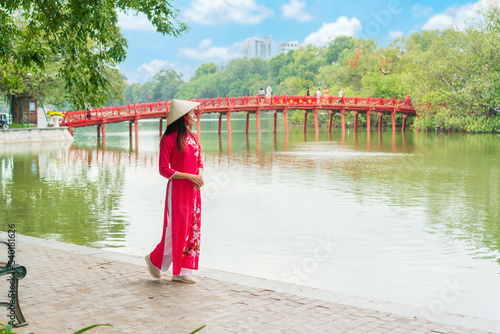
[[303, 62], [205, 69], [423, 39], [240, 76], [278, 62], [167, 82], [337, 46], [459, 75], [80, 36], [294, 86]]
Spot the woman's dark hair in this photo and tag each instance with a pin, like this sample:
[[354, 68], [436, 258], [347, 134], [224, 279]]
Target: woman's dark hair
[[182, 129], [180, 126]]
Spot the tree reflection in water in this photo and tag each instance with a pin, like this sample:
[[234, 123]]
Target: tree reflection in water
[[65, 193]]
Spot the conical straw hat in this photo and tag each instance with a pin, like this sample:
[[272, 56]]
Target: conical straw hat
[[179, 108]]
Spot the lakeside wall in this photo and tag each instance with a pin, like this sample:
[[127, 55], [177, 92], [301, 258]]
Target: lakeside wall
[[34, 135]]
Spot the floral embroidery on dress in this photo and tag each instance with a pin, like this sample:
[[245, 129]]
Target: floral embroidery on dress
[[193, 238], [190, 141]]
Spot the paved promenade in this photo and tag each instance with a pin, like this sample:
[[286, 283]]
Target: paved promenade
[[69, 287]]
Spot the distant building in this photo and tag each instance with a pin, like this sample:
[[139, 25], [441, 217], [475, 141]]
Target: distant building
[[285, 47], [257, 47]]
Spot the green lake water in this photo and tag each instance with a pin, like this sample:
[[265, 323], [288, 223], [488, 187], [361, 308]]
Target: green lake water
[[397, 217]]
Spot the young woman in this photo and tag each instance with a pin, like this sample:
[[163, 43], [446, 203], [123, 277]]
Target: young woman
[[180, 162]]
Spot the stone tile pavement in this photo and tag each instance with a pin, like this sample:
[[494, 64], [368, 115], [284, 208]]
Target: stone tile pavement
[[69, 287]]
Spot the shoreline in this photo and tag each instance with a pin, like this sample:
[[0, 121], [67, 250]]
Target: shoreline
[[35, 135]]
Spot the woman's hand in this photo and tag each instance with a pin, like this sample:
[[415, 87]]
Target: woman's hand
[[197, 180]]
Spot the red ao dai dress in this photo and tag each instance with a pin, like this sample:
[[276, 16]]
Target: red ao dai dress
[[180, 242]]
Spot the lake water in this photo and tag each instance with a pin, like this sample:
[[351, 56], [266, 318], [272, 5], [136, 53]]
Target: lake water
[[407, 218]]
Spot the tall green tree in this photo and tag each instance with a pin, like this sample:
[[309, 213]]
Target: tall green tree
[[457, 78], [166, 84], [80, 36], [338, 46], [276, 63], [239, 78]]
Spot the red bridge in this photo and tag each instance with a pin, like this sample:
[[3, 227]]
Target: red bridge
[[250, 105]]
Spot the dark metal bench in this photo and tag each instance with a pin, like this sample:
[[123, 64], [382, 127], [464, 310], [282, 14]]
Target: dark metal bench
[[16, 272]]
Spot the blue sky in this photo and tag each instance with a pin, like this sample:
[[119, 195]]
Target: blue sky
[[219, 27]]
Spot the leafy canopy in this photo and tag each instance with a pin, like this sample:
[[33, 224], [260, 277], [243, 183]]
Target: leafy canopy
[[80, 36]]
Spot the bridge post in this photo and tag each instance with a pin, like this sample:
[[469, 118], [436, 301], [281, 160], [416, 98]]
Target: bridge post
[[130, 129], [161, 126], [368, 126], [380, 115], [342, 119], [275, 116], [394, 114], [316, 130], [257, 119], [136, 123], [98, 132], [330, 111], [228, 115], [305, 121], [103, 131], [285, 119], [220, 123], [355, 121], [247, 121], [403, 127], [198, 123]]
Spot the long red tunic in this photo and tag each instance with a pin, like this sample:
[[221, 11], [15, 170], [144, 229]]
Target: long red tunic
[[180, 242]]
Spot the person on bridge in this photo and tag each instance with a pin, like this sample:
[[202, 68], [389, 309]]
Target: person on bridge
[[269, 91], [318, 95], [407, 102], [180, 162], [308, 92], [325, 95], [261, 94], [89, 115]]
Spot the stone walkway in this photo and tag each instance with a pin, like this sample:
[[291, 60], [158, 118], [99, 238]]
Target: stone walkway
[[69, 287]]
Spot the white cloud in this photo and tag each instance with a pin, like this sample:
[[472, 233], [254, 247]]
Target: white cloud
[[146, 71], [395, 34], [134, 22], [205, 43], [440, 21], [153, 67], [206, 51], [457, 15], [296, 10], [215, 12], [329, 31]]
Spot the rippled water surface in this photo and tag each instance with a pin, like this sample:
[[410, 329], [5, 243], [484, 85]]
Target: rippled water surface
[[398, 217]]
